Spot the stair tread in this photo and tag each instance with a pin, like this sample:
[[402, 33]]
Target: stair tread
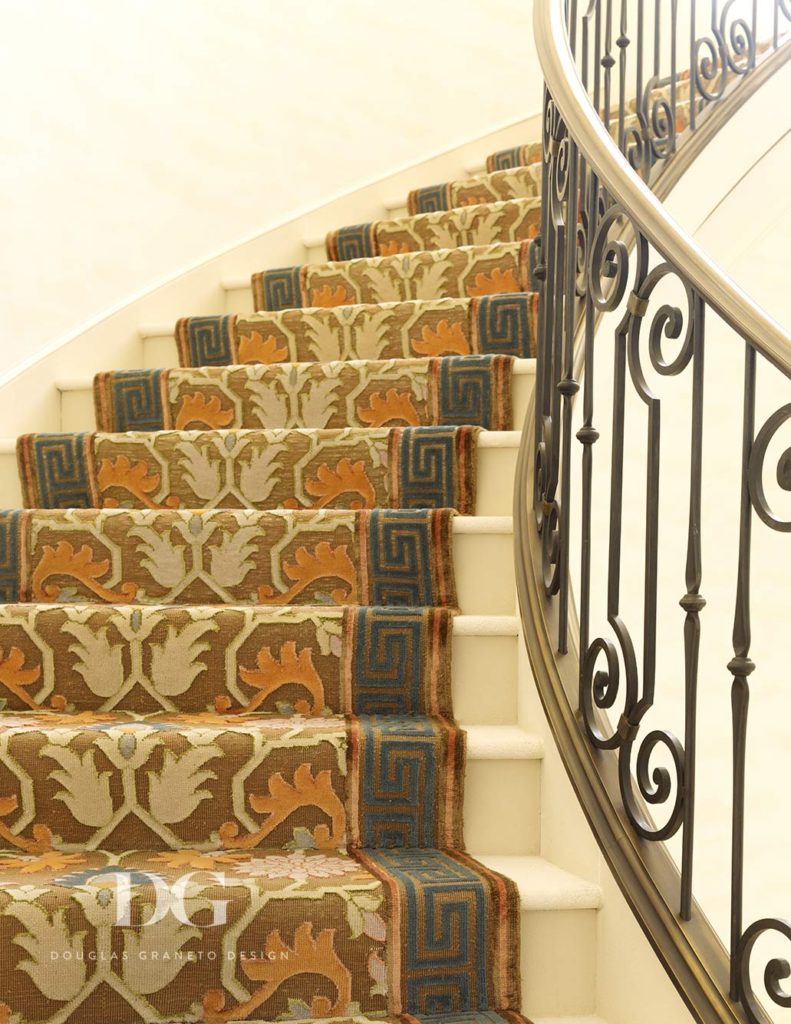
[[482, 222], [543, 885]]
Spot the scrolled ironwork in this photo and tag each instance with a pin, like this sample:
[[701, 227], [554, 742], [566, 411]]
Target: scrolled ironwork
[[776, 971], [601, 689], [756, 469], [610, 256], [609, 260], [655, 785]]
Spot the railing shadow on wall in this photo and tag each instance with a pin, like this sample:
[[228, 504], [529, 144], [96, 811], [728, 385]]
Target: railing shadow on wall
[[659, 74]]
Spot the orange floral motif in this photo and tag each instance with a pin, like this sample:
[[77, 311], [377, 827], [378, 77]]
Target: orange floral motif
[[324, 561], [394, 248], [389, 407], [444, 340], [63, 560], [255, 348], [346, 477], [131, 477], [196, 408], [490, 284], [50, 860], [282, 962], [473, 200], [281, 802], [327, 296], [15, 677], [42, 836], [272, 673]]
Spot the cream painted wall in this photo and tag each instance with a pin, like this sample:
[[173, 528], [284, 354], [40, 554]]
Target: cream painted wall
[[140, 137]]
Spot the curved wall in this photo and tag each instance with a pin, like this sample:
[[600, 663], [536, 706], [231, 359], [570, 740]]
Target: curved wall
[[140, 138]]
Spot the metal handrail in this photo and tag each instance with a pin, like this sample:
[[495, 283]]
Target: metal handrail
[[606, 243], [720, 291]]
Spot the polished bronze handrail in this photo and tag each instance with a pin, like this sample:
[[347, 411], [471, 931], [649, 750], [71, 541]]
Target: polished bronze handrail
[[607, 242]]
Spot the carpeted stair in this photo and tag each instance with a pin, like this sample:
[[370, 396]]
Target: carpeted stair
[[465, 272], [231, 782]]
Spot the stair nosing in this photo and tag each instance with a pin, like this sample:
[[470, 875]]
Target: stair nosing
[[502, 743], [567, 891]]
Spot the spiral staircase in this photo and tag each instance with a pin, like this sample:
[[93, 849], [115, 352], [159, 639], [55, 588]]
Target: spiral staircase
[[292, 600]]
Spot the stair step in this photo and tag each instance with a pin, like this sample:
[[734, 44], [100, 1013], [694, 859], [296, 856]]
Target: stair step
[[472, 390], [245, 917], [260, 659], [198, 780], [558, 922], [440, 273], [507, 220], [516, 183], [543, 885], [481, 548], [491, 456]]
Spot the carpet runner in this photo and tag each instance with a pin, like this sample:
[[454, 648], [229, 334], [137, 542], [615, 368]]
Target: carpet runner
[[389, 330], [519, 182], [512, 220], [396, 467], [231, 782], [465, 272], [475, 390]]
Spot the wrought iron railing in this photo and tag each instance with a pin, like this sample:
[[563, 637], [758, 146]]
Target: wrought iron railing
[[659, 75]]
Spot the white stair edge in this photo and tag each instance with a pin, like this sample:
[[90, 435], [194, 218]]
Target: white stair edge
[[499, 438], [156, 330], [543, 885], [483, 524], [502, 743], [7, 446], [236, 284], [395, 203], [74, 384], [485, 625]]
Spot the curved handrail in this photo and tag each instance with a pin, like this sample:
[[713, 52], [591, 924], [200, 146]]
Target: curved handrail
[[721, 292], [590, 191]]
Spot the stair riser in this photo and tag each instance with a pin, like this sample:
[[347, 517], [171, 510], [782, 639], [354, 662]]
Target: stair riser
[[502, 805], [238, 299], [485, 579], [484, 679], [495, 468], [558, 954]]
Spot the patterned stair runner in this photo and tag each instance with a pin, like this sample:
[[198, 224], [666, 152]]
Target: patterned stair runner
[[515, 183], [365, 393], [231, 782], [492, 324], [440, 273], [514, 220]]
